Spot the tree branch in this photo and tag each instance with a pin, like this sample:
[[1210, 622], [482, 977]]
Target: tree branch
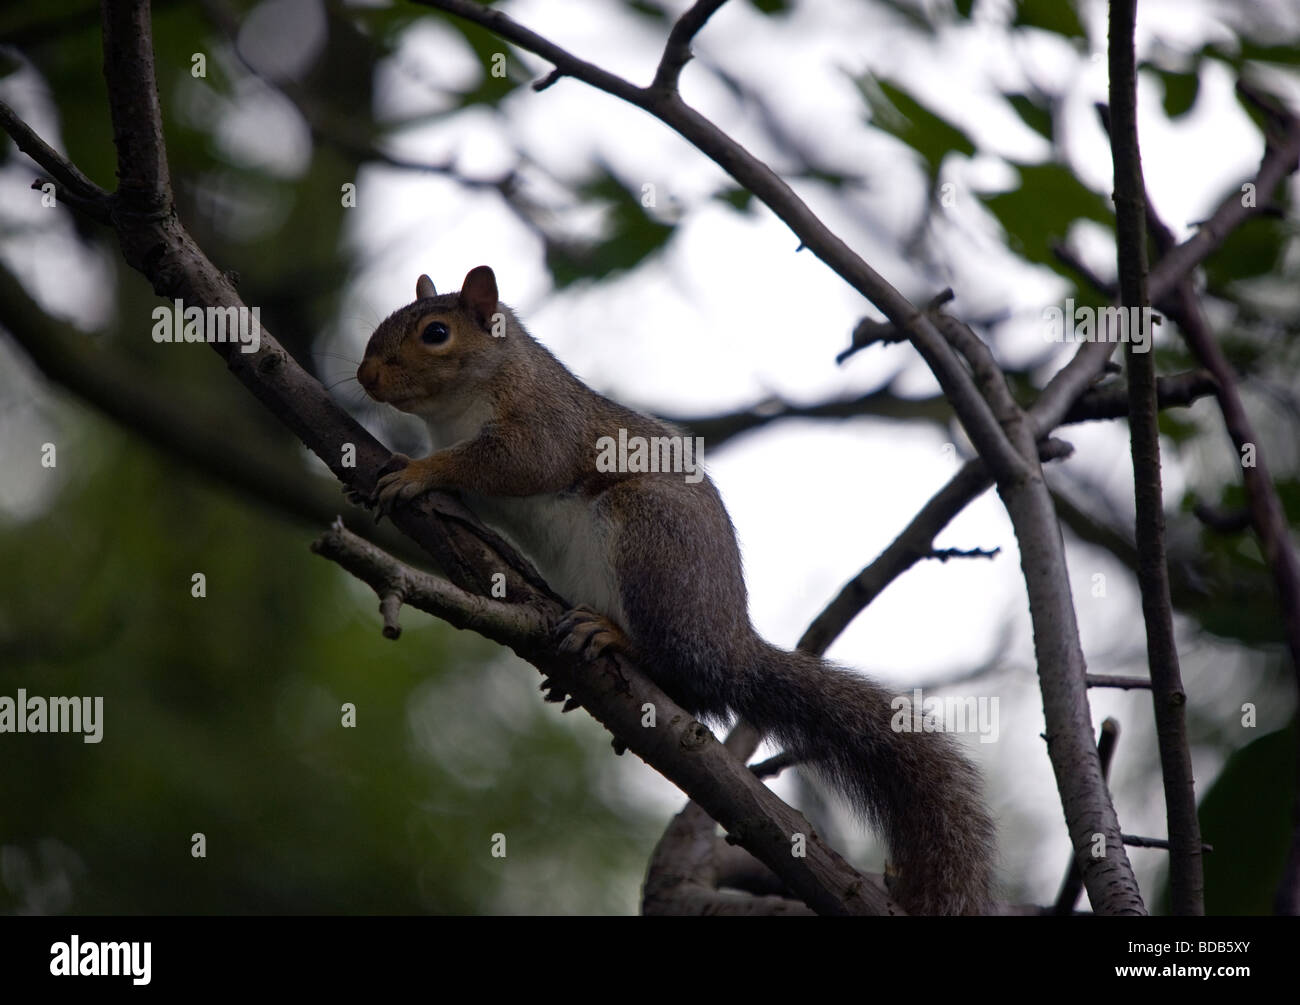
[[72, 186], [618, 694], [1004, 460], [1008, 448], [1168, 697], [677, 52], [1263, 507], [1099, 402], [144, 184], [1072, 885], [1279, 160], [123, 393]]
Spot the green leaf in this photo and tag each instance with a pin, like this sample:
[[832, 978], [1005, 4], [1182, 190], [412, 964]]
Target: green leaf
[[1179, 430], [1246, 818], [1050, 198], [1180, 91], [648, 9], [917, 14], [630, 235], [740, 198], [1033, 113], [487, 46], [1286, 54], [771, 6], [1252, 249], [1056, 16], [899, 114]]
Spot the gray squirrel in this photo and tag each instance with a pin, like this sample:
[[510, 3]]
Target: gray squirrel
[[652, 561]]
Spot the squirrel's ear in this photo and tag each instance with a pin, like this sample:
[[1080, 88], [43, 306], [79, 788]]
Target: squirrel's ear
[[424, 288], [478, 294]]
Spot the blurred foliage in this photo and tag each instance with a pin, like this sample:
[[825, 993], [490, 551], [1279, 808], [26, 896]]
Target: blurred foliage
[[1246, 819], [223, 713]]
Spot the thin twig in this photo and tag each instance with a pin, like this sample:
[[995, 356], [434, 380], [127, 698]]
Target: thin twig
[[1115, 680], [1136, 841]]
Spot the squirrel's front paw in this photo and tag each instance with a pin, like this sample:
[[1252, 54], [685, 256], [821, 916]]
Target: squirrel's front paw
[[398, 487]]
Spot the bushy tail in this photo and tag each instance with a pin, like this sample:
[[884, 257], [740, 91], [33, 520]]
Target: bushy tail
[[916, 788]]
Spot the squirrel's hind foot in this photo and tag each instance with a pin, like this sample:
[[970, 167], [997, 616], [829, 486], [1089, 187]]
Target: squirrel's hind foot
[[584, 632]]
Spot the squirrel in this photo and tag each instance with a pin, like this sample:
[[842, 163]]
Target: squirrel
[[652, 559]]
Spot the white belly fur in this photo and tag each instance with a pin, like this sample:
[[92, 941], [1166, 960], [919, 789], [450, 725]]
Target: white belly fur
[[564, 538]]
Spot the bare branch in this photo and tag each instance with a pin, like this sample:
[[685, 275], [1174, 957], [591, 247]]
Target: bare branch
[[73, 187], [1223, 521], [1266, 516], [1280, 157], [1124, 683], [1100, 402], [1111, 402], [774, 765], [1137, 841], [1004, 459], [1072, 885], [616, 693], [144, 185], [677, 51], [943, 554], [1187, 882]]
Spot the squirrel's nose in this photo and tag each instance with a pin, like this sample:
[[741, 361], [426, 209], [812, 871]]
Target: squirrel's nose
[[368, 374]]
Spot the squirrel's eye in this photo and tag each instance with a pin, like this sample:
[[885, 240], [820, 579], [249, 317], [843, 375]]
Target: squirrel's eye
[[435, 333]]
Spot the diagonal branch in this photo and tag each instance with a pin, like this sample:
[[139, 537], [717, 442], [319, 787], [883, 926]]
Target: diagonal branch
[[1007, 462], [73, 187], [617, 694], [241, 461]]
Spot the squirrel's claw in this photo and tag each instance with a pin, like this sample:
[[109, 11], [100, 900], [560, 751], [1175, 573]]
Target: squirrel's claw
[[583, 631], [406, 480], [358, 498]]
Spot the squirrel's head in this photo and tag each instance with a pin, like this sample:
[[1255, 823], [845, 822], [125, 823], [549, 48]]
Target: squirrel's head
[[438, 349]]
